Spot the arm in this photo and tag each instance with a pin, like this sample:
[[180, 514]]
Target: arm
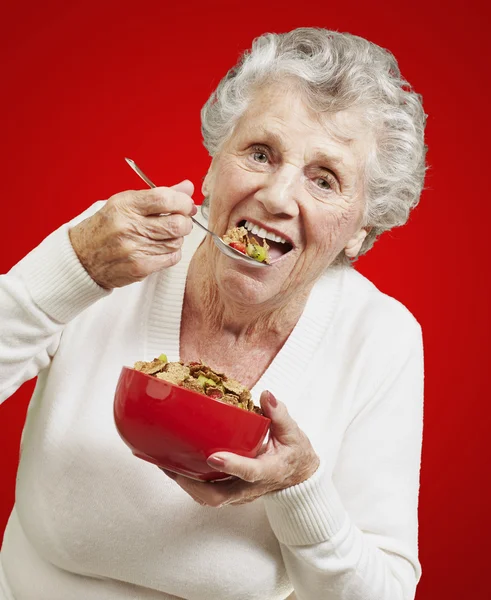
[[352, 535], [38, 296], [113, 244], [355, 537]]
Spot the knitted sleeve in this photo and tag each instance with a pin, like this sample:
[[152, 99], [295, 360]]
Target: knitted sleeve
[[353, 535], [38, 296]]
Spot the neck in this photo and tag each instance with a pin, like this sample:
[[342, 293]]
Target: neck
[[215, 312]]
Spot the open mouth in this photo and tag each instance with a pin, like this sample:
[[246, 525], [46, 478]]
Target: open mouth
[[278, 246]]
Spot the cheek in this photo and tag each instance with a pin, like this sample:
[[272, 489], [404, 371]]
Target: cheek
[[231, 184], [333, 226]]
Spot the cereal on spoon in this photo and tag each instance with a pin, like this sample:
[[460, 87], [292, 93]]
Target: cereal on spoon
[[240, 239]]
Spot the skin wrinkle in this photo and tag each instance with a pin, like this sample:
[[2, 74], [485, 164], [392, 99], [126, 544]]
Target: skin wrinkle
[[115, 251], [347, 171], [216, 321], [339, 156], [254, 311], [287, 459]]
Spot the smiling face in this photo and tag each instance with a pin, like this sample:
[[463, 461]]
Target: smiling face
[[292, 174]]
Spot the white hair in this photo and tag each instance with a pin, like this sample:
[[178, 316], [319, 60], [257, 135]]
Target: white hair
[[337, 71]]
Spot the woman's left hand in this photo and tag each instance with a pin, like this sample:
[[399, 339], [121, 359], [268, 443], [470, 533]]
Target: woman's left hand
[[286, 460]]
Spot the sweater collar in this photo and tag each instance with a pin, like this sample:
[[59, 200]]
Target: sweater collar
[[283, 377]]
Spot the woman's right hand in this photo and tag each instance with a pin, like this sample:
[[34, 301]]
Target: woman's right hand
[[135, 234]]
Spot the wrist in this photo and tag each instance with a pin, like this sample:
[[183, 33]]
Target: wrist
[[80, 237]]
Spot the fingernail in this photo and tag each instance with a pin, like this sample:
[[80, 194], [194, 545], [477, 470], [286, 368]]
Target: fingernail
[[215, 461], [272, 400], [194, 210]]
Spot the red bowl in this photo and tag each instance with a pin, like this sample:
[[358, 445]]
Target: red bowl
[[178, 429]]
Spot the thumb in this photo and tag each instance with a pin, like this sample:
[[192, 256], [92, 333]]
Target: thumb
[[282, 425], [184, 186]]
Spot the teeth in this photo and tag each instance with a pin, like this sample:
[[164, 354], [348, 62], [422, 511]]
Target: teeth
[[261, 232]]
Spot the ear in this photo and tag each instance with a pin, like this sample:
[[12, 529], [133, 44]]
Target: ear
[[354, 244]]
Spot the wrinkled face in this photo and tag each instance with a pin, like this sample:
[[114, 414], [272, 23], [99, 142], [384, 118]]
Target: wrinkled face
[[290, 173]]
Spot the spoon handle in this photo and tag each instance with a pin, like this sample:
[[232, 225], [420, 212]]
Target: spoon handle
[[151, 184], [203, 227], [137, 169]]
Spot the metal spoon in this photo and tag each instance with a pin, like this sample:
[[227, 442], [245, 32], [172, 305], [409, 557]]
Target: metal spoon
[[219, 243]]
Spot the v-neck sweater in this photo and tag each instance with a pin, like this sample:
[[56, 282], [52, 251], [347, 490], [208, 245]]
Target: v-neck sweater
[[91, 521]]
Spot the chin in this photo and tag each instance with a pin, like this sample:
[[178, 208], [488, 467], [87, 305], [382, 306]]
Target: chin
[[247, 286]]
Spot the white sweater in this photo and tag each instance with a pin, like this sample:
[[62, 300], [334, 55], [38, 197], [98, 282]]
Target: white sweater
[[92, 522]]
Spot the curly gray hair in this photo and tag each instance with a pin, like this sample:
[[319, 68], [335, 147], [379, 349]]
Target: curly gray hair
[[337, 71]]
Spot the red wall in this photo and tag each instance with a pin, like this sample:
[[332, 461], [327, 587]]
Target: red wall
[[84, 86]]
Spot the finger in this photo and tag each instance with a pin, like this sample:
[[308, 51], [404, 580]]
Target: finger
[[141, 267], [170, 245], [165, 227], [247, 469], [150, 247], [164, 261], [210, 494], [161, 201], [283, 427], [186, 187]]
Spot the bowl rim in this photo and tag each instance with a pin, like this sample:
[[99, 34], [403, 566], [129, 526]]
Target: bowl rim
[[174, 385]]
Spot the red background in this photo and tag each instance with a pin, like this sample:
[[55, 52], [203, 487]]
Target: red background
[[86, 84]]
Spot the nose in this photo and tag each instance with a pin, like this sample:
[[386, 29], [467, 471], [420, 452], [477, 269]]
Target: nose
[[278, 195]]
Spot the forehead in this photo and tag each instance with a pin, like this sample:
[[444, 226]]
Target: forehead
[[283, 114]]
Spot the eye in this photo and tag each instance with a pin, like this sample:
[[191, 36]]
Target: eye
[[323, 183], [260, 154], [326, 182], [260, 157]]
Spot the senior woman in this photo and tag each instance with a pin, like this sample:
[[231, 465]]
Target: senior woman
[[317, 142]]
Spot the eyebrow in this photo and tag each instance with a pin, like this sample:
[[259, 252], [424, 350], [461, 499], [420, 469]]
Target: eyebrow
[[321, 156]]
